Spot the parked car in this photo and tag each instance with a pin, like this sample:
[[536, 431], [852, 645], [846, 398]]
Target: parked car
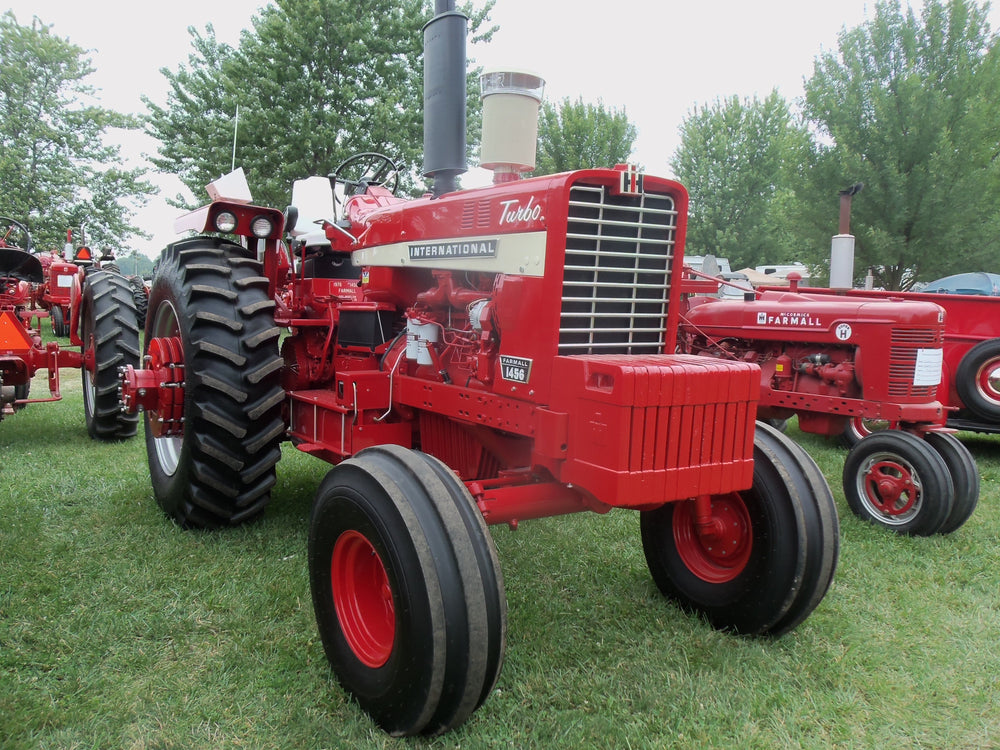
[[974, 282]]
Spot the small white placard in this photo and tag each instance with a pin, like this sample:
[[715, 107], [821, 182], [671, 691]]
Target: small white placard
[[928, 369]]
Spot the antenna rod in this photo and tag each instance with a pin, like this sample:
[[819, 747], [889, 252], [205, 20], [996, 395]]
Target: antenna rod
[[236, 129]]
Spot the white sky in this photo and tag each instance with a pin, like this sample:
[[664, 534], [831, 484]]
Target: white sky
[[656, 59]]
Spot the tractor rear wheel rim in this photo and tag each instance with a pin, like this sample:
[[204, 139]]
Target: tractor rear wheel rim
[[362, 597], [890, 487], [724, 555], [168, 449], [988, 381]]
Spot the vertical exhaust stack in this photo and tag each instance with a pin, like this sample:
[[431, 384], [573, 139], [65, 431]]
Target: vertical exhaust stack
[[444, 97], [510, 122], [842, 244]]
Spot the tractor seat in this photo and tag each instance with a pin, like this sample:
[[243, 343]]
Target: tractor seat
[[20, 265]]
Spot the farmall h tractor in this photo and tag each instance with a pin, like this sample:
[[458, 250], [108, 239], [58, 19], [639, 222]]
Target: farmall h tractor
[[467, 358], [102, 322], [832, 359]]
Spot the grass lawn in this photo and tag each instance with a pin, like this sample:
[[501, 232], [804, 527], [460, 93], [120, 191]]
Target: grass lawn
[[119, 630]]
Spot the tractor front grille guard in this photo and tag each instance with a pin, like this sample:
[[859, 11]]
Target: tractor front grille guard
[[618, 265], [904, 346]]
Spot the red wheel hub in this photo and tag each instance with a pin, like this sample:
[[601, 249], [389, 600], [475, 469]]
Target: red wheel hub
[[988, 380], [362, 597], [158, 388], [890, 487], [714, 541]]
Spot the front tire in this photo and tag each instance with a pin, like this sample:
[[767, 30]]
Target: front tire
[[776, 561], [407, 590], [964, 475], [896, 480], [59, 326], [209, 308], [110, 335]]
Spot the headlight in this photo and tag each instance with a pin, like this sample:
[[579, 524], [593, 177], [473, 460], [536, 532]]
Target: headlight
[[261, 227], [225, 221]]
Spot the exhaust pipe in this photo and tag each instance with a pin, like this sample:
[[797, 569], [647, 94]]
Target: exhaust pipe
[[444, 97]]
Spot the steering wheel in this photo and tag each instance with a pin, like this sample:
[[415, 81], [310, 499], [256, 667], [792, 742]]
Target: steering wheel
[[9, 227], [360, 171]]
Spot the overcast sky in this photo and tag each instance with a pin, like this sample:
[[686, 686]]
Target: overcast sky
[[656, 59]]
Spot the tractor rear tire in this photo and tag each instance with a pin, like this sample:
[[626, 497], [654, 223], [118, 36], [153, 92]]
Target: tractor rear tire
[[964, 475], [896, 480], [141, 298], [786, 548], [110, 332], [977, 379], [213, 300], [407, 590]]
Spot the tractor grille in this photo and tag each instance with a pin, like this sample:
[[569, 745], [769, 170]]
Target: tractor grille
[[616, 283], [903, 346]]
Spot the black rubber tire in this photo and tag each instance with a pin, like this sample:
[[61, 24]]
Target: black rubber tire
[[964, 475], [21, 392], [108, 328], [59, 326], [975, 365], [918, 484], [795, 546], [441, 589], [141, 298], [221, 470]]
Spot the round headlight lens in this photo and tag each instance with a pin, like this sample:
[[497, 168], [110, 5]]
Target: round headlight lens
[[225, 221], [261, 227]]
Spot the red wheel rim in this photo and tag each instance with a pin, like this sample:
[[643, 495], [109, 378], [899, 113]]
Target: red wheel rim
[[362, 597], [890, 487], [722, 554], [988, 380]]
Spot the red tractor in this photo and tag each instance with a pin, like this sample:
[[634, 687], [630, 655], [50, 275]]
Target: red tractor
[[832, 360], [463, 359], [54, 294], [102, 322], [970, 383]]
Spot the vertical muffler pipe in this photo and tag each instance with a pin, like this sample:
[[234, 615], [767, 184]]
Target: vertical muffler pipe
[[444, 97], [842, 244]]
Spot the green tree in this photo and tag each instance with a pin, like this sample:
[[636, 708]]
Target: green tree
[[315, 82], [909, 107], [56, 168], [734, 159], [574, 135]]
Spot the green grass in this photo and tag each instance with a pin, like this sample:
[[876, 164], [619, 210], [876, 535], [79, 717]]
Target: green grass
[[119, 630]]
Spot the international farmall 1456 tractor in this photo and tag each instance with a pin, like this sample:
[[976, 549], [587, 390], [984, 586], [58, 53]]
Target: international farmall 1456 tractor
[[467, 358], [102, 322], [832, 359]]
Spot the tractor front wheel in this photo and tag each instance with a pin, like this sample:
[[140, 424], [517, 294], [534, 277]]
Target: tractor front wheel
[[407, 590], [110, 335], [964, 475], [59, 326], [771, 555], [213, 443], [896, 480]]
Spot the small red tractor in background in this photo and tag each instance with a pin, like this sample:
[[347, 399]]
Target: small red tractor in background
[[830, 360], [970, 383], [54, 293], [467, 358], [101, 321]]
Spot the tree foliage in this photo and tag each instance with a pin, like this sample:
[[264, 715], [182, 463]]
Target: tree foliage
[[315, 82], [734, 160], [57, 169], [909, 107], [575, 135], [906, 105]]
